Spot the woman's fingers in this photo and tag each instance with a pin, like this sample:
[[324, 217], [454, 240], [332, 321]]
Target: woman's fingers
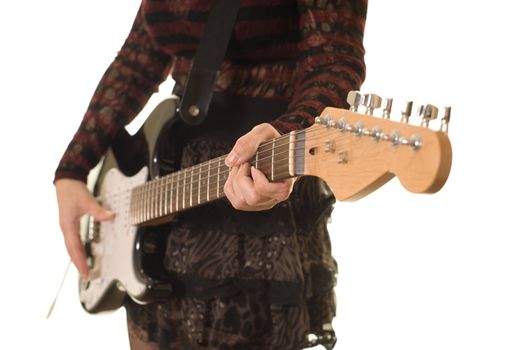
[[247, 188], [74, 200]]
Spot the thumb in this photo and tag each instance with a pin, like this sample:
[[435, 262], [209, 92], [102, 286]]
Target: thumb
[[247, 145]]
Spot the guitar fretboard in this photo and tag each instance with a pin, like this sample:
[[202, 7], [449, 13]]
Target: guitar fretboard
[[202, 183]]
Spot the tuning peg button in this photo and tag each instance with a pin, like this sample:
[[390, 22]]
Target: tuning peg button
[[354, 100], [445, 120], [341, 124], [325, 121], [371, 102], [388, 108], [427, 113], [405, 114]]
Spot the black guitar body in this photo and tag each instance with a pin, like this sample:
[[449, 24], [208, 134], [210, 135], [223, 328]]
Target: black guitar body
[[157, 145], [135, 268]]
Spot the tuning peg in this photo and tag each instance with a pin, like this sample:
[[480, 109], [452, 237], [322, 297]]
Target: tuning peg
[[327, 121], [371, 102], [427, 113], [388, 108], [354, 100], [405, 114], [341, 124], [445, 120]]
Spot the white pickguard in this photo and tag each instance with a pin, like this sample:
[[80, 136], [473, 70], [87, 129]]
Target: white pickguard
[[114, 249]]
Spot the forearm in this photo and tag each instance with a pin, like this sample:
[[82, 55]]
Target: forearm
[[124, 89], [331, 61]]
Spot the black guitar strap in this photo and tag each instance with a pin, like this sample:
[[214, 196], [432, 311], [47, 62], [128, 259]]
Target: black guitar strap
[[206, 64]]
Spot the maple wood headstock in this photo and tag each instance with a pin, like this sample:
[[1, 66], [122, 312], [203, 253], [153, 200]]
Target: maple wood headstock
[[357, 153]]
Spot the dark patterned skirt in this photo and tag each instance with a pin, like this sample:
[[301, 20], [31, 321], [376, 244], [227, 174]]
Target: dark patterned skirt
[[244, 280]]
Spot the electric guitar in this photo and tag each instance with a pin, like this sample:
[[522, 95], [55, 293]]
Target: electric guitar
[[354, 153]]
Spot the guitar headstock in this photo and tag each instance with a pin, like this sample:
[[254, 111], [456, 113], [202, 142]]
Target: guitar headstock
[[357, 153]]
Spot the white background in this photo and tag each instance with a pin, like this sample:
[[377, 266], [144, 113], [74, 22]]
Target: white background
[[443, 271]]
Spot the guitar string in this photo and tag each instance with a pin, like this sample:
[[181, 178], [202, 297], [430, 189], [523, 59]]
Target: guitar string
[[205, 183], [277, 167], [200, 167], [219, 169], [160, 198], [215, 171], [203, 169], [195, 178], [61, 285], [187, 172], [195, 192]]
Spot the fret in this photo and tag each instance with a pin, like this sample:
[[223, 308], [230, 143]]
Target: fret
[[141, 203], [166, 190], [282, 161], [171, 193], [138, 204], [147, 202], [144, 201], [211, 179], [199, 186], [187, 181], [156, 203], [174, 185], [272, 160], [208, 184], [196, 185], [151, 200], [184, 190], [158, 198], [225, 171], [177, 192], [160, 191], [299, 144], [163, 196], [218, 177], [291, 154], [191, 187], [263, 160], [278, 158]]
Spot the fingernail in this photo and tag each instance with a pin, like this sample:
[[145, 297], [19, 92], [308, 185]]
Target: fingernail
[[231, 159]]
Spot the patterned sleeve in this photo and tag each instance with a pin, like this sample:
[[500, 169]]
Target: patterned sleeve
[[136, 72], [331, 62]]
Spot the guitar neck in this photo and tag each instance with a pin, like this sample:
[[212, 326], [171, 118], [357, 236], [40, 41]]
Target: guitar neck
[[355, 156], [278, 159]]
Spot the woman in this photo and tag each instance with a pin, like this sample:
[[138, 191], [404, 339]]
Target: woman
[[285, 62]]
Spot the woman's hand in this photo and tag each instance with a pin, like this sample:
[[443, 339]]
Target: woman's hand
[[74, 201], [247, 188]]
